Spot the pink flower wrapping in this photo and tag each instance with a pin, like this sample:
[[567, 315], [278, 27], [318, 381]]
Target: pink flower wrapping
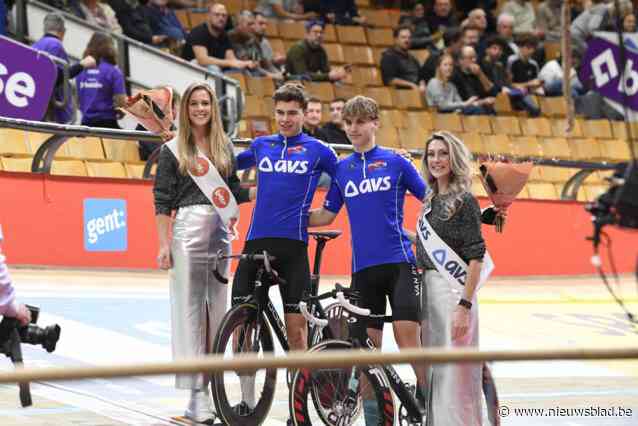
[[503, 182], [152, 109]]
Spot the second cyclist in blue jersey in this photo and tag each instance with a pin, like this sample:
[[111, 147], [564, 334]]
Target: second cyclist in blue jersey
[[372, 183], [289, 165]]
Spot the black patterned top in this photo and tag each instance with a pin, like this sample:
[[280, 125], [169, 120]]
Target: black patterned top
[[173, 190], [462, 232]]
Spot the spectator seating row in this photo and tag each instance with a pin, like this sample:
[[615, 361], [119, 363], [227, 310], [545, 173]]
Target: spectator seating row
[[377, 18], [549, 191], [590, 140], [92, 157], [82, 168], [18, 143], [367, 81]]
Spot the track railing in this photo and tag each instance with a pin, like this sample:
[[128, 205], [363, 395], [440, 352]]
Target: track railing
[[330, 359]]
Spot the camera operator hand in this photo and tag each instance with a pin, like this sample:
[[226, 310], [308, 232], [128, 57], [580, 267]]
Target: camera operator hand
[[8, 305], [23, 315]]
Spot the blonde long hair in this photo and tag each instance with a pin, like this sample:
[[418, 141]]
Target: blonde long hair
[[186, 148], [460, 172]]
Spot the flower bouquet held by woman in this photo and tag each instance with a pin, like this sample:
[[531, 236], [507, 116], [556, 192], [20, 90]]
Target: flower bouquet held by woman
[[503, 182], [153, 110]]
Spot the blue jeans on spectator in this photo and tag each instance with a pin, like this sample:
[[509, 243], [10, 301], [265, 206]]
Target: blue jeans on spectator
[[478, 110], [3, 17], [523, 102], [172, 32], [555, 88], [217, 69]]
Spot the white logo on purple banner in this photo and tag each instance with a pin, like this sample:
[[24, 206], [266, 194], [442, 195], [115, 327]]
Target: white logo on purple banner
[[603, 68], [26, 81]]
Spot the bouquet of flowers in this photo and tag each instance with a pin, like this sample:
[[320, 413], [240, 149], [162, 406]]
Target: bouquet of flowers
[[152, 109], [503, 182]]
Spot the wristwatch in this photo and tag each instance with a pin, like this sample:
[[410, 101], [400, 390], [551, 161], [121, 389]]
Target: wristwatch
[[465, 303]]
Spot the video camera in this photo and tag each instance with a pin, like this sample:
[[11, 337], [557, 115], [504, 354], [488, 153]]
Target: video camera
[[12, 334], [619, 205]]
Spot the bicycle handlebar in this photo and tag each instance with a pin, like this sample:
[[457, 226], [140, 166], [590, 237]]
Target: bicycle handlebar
[[303, 307], [340, 294], [350, 307], [253, 257]]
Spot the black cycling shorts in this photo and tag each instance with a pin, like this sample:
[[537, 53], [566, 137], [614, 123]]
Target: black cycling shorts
[[400, 282], [291, 264]]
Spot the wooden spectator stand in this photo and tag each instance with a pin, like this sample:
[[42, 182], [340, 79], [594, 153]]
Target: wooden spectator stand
[[61, 134]]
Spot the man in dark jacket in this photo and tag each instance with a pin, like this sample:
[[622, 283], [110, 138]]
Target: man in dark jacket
[[341, 12], [333, 131], [471, 81], [135, 22], [399, 68], [308, 59]]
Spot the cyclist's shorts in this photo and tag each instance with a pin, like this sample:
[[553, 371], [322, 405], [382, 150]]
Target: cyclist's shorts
[[291, 264], [400, 282]]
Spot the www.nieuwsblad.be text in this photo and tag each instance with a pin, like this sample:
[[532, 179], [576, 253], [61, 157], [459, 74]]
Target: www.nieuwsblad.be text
[[506, 411]]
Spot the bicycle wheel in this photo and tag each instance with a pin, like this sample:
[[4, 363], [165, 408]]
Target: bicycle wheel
[[241, 332], [337, 322], [328, 389]]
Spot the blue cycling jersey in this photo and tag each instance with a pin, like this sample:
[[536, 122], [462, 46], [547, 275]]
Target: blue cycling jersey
[[288, 170], [373, 186]]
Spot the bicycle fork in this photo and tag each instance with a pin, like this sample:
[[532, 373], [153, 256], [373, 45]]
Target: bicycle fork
[[415, 413]]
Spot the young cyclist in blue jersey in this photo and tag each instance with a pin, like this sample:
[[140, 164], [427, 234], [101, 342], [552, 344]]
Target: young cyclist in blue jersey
[[372, 183], [289, 165]]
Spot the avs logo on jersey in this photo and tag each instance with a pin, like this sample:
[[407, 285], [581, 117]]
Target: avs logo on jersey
[[299, 149], [283, 166], [377, 165], [367, 185]]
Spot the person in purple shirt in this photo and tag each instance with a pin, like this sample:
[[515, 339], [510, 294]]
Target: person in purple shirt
[[8, 305], [101, 90], [60, 109]]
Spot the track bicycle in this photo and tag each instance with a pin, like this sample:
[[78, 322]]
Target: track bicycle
[[343, 388], [248, 328]]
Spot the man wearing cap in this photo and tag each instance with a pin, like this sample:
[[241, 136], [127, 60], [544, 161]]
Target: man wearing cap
[[308, 60], [8, 305]]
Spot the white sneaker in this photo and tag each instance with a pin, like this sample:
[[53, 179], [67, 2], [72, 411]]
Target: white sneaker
[[200, 407]]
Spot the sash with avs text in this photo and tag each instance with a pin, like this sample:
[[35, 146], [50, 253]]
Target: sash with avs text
[[210, 182], [447, 262]]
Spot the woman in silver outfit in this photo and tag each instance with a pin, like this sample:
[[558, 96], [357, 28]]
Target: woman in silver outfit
[[188, 242], [451, 310]]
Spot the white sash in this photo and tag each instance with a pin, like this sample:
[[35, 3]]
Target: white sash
[[211, 183], [446, 261]]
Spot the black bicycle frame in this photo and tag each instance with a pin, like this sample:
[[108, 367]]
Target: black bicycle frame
[[360, 338], [266, 308]]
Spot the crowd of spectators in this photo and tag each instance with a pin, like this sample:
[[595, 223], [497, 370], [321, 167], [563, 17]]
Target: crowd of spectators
[[474, 52]]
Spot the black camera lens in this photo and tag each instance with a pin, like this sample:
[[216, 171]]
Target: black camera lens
[[47, 337]]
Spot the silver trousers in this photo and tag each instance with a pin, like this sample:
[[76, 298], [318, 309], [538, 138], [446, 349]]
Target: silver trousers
[[197, 236], [455, 390]]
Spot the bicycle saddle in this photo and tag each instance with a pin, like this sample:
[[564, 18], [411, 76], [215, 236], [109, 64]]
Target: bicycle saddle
[[329, 235]]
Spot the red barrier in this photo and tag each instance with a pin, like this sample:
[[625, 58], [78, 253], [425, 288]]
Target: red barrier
[[43, 222]]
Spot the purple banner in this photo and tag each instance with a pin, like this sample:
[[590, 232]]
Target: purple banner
[[27, 78], [603, 68]]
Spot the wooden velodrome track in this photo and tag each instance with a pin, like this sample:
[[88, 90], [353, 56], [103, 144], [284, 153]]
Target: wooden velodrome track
[[123, 317]]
